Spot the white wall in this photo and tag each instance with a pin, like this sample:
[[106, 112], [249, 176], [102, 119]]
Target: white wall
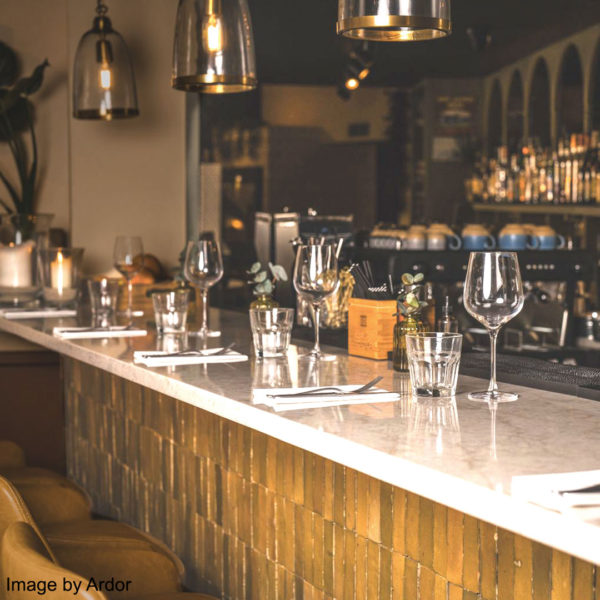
[[102, 179]]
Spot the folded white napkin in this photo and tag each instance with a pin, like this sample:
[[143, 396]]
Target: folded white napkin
[[157, 358], [270, 397], [90, 333], [37, 313], [545, 489]]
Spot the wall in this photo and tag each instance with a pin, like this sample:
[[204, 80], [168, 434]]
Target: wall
[[103, 179], [320, 106], [586, 43]]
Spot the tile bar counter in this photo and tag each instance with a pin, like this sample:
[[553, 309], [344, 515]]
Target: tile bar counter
[[344, 502]]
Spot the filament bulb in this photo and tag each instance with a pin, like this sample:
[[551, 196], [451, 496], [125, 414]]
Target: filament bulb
[[212, 33], [105, 77]]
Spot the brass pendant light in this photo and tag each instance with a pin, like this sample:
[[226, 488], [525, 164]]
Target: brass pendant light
[[103, 80], [213, 51], [394, 20]]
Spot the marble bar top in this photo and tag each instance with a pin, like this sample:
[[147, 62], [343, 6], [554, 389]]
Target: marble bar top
[[462, 463]]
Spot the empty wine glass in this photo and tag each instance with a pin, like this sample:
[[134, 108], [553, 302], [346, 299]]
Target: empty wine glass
[[316, 278], [203, 267], [493, 295], [128, 258]]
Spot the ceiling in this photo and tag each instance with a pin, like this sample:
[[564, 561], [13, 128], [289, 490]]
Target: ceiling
[[296, 40]]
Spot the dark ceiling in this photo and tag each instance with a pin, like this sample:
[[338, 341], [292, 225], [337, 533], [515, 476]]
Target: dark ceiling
[[296, 40]]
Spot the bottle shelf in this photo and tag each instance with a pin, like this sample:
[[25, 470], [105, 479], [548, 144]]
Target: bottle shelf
[[552, 209]]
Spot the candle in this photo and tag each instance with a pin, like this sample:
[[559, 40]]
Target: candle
[[15, 265], [60, 272]]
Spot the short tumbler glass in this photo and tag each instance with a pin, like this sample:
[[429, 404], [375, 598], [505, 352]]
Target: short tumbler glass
[[433, 361], [271, 330], [171, 311]]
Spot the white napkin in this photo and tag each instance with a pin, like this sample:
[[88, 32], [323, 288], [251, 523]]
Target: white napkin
[[89, 333], [544, 489], [279, 404], [37, 313], [157, 358]]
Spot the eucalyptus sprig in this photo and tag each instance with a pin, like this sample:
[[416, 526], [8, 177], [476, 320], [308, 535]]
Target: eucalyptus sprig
[[408, 297], [259, 278]]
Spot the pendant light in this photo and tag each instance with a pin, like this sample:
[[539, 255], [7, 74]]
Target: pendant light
[[394, 20], [213, 51], [103, 80]]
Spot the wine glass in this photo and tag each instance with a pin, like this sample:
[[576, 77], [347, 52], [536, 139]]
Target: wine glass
[[203, 267], [316, 278], [493, 295], [128, 258]]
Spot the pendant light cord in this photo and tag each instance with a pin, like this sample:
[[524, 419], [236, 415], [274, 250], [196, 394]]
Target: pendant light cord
[[101, 8]]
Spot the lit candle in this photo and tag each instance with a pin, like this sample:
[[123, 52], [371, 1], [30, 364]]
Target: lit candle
[[60, 272], [15, 265]]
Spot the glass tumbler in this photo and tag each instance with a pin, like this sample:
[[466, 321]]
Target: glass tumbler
[[271, 330], [171, 311], [104, 294], [433, 361]]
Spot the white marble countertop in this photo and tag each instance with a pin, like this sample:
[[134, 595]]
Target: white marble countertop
[[460, 466]]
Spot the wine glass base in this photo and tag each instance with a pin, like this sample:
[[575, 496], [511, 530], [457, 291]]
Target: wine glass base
[[493, 397], [318, 356], [206, 333]]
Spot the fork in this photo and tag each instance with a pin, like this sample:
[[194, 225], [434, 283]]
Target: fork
[[101, 329], [191, 353], [590, 489], [334, 391]]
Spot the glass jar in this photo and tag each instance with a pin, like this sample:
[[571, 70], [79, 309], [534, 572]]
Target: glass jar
[[405, 325]]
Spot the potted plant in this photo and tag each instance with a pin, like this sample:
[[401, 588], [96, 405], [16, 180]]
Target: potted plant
[[264, 285], [18, 131]]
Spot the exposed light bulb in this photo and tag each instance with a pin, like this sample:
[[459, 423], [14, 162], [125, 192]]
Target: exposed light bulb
[[212, 33], [352, 83], [105, 77]]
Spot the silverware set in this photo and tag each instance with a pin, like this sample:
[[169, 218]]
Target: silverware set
[[332, 391], [191, 352]]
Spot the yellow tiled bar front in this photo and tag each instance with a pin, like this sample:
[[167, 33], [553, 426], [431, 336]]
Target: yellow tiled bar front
[[255, 518]]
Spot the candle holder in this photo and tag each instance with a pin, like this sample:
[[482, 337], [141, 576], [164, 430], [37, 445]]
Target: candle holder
[[59, 271]]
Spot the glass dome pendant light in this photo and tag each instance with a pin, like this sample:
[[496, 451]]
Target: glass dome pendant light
[[394, 20], [213, 50], [103, 80]]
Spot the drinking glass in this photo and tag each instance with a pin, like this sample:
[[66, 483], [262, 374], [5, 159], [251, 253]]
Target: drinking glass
[[493, 295], [103, 299], [203, 267], [271, 330], [128, 258], [170, 311], [433, 361], [316, 278]]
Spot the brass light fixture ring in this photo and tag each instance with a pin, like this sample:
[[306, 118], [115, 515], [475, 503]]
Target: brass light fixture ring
[[394, 28], [213, 84]]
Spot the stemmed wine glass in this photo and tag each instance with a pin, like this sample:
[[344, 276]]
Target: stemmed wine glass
[[203, 267], [128, 258], [493, 295], [316, 278]]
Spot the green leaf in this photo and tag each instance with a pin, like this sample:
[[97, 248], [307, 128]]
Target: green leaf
[[423, 304], [412, 300], [29, 85], [407, 279], [260, 289], [268, 287], [278, 272], [260, 277], [418, 277], [255, 268]]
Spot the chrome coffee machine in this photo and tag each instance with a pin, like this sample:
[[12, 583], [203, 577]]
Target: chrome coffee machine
[[274, 234]]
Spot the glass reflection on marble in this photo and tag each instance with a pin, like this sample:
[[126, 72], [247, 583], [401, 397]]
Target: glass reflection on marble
[[434, 422], [274, 372]]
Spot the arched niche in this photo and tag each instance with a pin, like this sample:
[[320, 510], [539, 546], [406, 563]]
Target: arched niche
[[595, 91], [515, 112], [495, 118], [539, 104], [569, 94]]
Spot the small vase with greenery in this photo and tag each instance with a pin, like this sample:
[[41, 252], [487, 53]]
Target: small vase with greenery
[[408, 317], [18, 131], [264, 285]]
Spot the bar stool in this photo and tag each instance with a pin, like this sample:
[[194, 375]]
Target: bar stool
[[100, 549], [24, 556]]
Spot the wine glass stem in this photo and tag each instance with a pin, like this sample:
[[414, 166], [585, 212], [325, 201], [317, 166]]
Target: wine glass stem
[[493, 387], [317, 322], [130, 297], [204, 327]]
